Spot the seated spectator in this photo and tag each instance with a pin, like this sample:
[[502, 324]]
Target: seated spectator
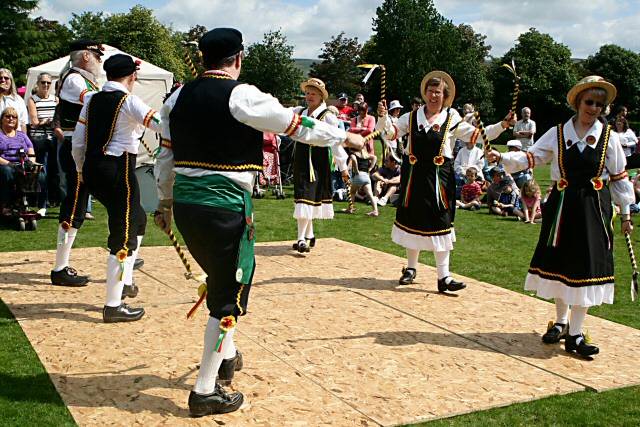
[[395, 108], [628, 138], [531, 199], [509, 202], [471, 191], [13, 145], [468, 156], [364, 124], [345, 111], [387, 180], [360, 164], [524, 175]]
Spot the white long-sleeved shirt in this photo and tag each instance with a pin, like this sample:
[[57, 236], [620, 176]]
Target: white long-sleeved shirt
[[459, 129], [545, 150], [76, 87], [254, 108], [133, 117], [469, 157], [628, 140]]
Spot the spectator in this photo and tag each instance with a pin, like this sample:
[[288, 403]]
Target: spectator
[[364, 124], [359, 98], [525, 129], [41, 107], [395, 108], [12, 142], [345, 111], [509, 202], [387, 180], [9, 98], [467, 114], [531, 202], [416, 102], [361, 163], [338, 190], [524, 175], [495, 189], [468, 156], [471, 191], [628, 138]]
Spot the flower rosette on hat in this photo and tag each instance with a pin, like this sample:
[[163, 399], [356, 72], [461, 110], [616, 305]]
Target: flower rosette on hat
[[597, 183], [438, 160], [562, 184]]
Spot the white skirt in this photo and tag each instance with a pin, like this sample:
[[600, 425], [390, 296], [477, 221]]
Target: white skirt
[[305, 211], [423, 243], [586, 296]]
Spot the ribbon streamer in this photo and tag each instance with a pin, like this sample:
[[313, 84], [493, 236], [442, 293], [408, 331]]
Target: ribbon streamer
[[634, 267], [516, 85]]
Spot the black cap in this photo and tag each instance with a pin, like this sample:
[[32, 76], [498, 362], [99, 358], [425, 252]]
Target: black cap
[[343, 96], [120, 65], [85, 44], [220, 43]]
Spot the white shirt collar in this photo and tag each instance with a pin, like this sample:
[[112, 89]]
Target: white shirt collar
[[317, 111], [423, 123], [571, 137], [112, 86], [86, 74]]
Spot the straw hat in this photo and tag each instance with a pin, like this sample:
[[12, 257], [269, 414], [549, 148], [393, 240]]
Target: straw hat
[[588, 83], [318, 84], [443, 76]]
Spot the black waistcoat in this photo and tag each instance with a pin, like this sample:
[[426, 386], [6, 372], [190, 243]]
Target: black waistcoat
[[102, 113], [68, 112], [205, 135]]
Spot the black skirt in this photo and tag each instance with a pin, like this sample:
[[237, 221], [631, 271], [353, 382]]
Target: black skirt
[[307, 191]]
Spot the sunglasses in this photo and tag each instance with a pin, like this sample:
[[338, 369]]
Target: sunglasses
[[8, 116], [4, 78], [45, 83], [591, 102]]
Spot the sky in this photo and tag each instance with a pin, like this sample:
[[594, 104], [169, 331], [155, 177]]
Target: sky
[[583, 25]]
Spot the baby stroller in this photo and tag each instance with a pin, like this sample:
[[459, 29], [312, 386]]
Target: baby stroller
[[270, 175], [27, 174]]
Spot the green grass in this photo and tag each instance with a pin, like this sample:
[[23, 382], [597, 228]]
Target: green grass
[[489, 248]]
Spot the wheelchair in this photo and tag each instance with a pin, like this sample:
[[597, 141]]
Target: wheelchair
[[25, 186]]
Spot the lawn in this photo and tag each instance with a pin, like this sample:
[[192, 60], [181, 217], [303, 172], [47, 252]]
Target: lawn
[[490, 249]]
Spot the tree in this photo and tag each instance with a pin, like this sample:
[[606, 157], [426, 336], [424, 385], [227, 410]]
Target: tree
[[622, 68], [89, 25], [21, 44], [546, 74], [269, 65], [338, 69], [411, 38]]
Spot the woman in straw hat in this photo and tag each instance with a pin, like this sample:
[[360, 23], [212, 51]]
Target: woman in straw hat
[[312, 169], [573, 261], [424, 219]]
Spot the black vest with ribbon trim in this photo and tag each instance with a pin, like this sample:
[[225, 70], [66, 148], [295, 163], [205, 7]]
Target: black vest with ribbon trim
[[67, 111], [102, 113], [205, 135]]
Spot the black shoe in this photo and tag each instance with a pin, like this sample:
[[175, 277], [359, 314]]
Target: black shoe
[[302, 247], [553, 334], [408, 274], [122, 313], [229, 367], [583, 349], [68, 277], [452, 286], [312, 242], [130, 291], [218, 402], [138, 263]]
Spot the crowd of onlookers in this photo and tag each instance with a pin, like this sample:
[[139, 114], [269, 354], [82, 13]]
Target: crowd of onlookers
[[29, 135]]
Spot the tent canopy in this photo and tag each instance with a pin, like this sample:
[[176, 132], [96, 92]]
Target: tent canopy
[[152, 85]]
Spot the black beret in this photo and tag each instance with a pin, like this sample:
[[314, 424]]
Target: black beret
[[84, 44], [220, 43], [120, 65]]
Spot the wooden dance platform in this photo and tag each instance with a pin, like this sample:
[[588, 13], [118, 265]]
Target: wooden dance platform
[[322, 344]]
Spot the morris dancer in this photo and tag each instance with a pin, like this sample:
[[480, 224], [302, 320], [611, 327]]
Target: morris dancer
[[312, 169], [79, 81], [105, 145], [424, 218], [207, 179], [573, 261]]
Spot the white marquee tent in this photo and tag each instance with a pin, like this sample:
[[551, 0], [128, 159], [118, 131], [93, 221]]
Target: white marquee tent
[[152, 85]]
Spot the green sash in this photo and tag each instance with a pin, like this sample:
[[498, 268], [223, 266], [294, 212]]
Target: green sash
[[220, 192]]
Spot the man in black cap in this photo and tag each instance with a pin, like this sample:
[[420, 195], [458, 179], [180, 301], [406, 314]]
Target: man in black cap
[[211, 153], [75, 84], [105, 145]]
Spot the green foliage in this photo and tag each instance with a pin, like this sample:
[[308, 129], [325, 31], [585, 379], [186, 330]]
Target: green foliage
[[622, 68], [269, 66], [338, 69], [412, 38], [546, 74]]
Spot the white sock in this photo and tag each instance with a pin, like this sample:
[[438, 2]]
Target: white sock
[[412, 258], [211, 359], [128, 268], [229, 345], [562, 311], [578, 313], [309, 233], [302, 227], [442, 263], [63, 249], [114, 284]]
